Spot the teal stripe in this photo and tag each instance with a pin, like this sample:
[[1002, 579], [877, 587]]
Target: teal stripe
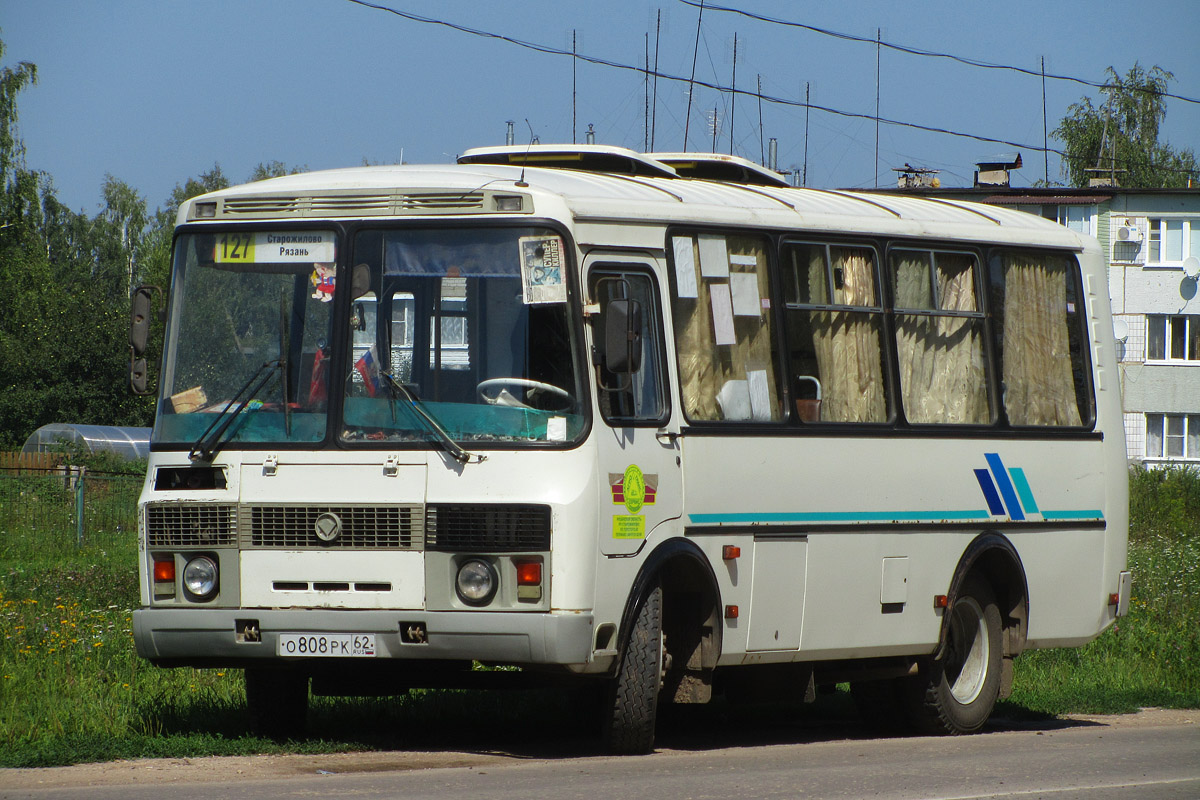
[[1023, 490], [839, 516], [1086, 513]]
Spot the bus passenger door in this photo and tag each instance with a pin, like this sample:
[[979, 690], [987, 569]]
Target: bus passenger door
[[640, 482]]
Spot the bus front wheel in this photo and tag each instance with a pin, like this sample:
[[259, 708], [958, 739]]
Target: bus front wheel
[[957, 691], [632, 702]]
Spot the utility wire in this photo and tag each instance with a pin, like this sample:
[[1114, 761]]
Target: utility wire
[[542, 48], [932, 53]]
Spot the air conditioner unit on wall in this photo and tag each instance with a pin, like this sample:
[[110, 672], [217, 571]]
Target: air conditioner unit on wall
[[1129, 233]]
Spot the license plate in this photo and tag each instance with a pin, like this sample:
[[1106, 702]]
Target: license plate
[[327, 645]]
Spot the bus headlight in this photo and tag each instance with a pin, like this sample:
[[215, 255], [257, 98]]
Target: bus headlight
[[476, 582], [200, 577]]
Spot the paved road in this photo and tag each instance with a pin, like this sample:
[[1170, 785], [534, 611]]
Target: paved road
[[1148, 757]]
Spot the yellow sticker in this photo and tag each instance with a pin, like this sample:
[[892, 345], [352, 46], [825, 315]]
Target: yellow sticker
[[629, 526], [635, 488], [234, 248]]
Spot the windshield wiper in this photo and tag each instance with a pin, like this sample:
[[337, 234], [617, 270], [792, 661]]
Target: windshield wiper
[[204, 448], [452, 447]]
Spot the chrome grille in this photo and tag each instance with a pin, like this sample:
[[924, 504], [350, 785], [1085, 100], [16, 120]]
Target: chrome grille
[[491, 528], [190, 525], [362, 527]]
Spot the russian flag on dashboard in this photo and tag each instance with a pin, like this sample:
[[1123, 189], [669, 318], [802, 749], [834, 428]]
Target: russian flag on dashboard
[[368, 369]]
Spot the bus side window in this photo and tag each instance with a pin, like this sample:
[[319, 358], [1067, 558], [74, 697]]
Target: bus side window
[[638, 395], [835, 333], [1039, 338], [939, 338], [723, 336]]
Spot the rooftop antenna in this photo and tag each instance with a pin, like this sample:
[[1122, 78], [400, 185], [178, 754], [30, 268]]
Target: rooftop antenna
[[508, 137], [687, 120], [733, 100], [654, 105], [532, 139], [762, 159]]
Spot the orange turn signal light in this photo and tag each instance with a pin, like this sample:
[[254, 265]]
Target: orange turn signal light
[[164, 571], [731, 551], [941, 601], [731, 612], [529, 573]]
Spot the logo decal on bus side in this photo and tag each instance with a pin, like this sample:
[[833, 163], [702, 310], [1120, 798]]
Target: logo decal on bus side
[[634, 490], [1014, 492]]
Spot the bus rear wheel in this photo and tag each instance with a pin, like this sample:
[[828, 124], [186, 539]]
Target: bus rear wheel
[[958, 690], [632, 702], [278, 703]]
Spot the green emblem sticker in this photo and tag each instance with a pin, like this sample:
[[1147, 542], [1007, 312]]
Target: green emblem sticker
[[635, 489]]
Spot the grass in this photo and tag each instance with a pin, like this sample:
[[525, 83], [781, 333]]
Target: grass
[[73, 690]]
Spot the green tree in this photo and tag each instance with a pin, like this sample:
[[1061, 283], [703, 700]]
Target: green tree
[[1120, 137]]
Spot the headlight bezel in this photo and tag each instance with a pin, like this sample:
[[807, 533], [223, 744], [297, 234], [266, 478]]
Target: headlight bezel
[[205, 585], [478, 572]]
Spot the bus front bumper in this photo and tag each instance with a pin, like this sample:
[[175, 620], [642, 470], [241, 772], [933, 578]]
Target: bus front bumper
[[232, 637]]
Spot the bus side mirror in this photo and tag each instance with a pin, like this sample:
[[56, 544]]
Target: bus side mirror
[[139, 335], [623, 336]]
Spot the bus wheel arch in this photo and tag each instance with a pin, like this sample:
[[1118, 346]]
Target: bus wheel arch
[[669, 637], [983, 629]]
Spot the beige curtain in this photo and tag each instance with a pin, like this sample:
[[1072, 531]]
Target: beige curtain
[[706, 367], [847, 343], [1039, 385], [942, 372]]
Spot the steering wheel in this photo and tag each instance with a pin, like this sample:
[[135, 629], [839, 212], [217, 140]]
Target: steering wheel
[[532, 387]]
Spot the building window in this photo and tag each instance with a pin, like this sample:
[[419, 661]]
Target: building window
[[1173, 240], [1172, 338], [1077, 218], [1175, 436]]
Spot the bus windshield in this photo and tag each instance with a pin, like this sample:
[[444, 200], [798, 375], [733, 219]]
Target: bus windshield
[[471, 326], [449, 335]]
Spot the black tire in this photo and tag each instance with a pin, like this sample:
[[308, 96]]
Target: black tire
[[957, 692], [278, 703], [632, 703]]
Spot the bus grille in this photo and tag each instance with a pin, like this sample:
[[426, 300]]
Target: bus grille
[[492, 528], [362, 527], [190, 525]]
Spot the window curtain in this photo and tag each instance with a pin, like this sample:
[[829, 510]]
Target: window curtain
[[727, 381], [942, 371], [847, 343], [1039, 385]]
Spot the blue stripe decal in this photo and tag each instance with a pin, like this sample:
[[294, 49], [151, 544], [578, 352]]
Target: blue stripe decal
[[839, 516], [1086, 513], [1006, 487], [1018, 476], [989, 491]]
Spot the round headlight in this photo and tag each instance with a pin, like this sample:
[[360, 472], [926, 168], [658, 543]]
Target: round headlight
[[476, 582], [200, 577]]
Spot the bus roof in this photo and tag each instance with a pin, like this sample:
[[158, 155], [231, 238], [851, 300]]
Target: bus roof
[[601, 196]]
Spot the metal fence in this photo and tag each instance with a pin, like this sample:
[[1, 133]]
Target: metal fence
[[53, 511]]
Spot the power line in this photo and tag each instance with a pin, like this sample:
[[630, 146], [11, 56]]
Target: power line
[[547, 49], [934, 54]]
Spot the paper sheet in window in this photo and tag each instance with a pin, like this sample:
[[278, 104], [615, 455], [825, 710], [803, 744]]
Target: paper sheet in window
[[734, 399], [744, 286], [760, 395], [685, 267], [722, 309], [714, 256], [542, 270]]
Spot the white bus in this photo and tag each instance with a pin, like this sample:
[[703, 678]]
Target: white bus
[[656, 425]]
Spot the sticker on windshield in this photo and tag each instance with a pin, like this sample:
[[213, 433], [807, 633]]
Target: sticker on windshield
[[543, 279], [322, 281], [275, 247]]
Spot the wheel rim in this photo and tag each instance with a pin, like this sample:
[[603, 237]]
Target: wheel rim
[[968, 653]]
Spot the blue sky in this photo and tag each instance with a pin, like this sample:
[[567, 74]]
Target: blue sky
[[156, 91]]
